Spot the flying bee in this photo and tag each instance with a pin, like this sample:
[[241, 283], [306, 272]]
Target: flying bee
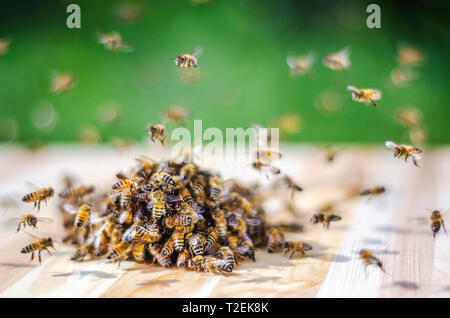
[[29, 220], [373, 191], [176, 115], [83, 251], [410, 56], [288, 124], [275, 238], [268, 155], [113, 42], [157, 132], [118, 251], [365, 95], [325, 219], [37, 197], [368, 259], [403, 151], [159, 207], [187, 60], [77, 193], [215, 188], [267, 167], [290, 184], [409, 117], [127, 183], [293, 247], [338, 61], [402, 76], [41, 244], [300, 65], [4, 46], [436, 222], [62, 82], [83, 215]]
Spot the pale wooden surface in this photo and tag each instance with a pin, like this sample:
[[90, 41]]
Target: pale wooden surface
[[415, 264]]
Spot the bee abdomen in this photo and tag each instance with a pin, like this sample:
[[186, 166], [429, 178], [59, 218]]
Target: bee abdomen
[[29, 248]]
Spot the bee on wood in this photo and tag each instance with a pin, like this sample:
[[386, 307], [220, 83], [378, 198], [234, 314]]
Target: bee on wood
[[338, 61], [293, 247], [187, 60], [404, 152], [62, 82], [300, 65], [37, 197], [215, 265], [325, 219], [197, 263], [29, 220], [41, 244], [158, 132], [365, 95], [436, 222], [196, 243], [369, 258], [118, 251]]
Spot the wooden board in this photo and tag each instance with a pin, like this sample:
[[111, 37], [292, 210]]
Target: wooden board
[[416, 264]]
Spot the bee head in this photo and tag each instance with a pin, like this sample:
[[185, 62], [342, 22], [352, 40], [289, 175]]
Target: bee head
[[51, 191], [179, 60]]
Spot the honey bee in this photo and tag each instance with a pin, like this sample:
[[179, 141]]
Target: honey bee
[[196, 243], [157, 132], [300, 65], [290, 184], [125, 199], [226, 253], [373, 191], [402, 76], [159, 207], [330, 153], [212, 264], [178, 220], [187, 60], [178, 239], [143, 234], [128, 12], [139, 252], [41, 244], [246, 249], [81, 252], [268, 155], [186, 196], [182, 258], [221, 223], [338, 61], [127, 183], [212, 237], [83, 215], [368, 259], [410, 56], [62, 82], [118, 251], [29, 220], [216, 187], [188, 171], [113, 42], [403, 151], [275, 239], [4, 46], [168, 248], [293, 247], [287, 123], [325, 219], [365, 95], [163, 260], [267, 167], [409, 117], [436, 222], [37, 197], [243, 203], [176, 115], [77, 193], [197, 262]]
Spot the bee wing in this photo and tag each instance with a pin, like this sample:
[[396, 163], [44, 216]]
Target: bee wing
[[32, 186], [415, 159], [14, 220], [45, 220], [33, 236], [353, 89], [197, 51], [291, 61], [390, 145]]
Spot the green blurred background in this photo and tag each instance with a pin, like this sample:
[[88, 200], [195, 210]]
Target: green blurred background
[[243, 75]]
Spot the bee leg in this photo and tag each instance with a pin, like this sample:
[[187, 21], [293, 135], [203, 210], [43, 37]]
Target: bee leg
[[39, 254], [443, 226], [292, 255], [18, 227], [48, 251], [32, 257]]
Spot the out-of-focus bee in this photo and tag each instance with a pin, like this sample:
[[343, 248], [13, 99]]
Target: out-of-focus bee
[[365, 95], [293, 247], [157, 132], [373, 191], [338, 61], [417, 135], [226, 253], [187, 60], [325, 219], [409, 117], [159, 207], [128, 12], [182, 258], [82, 251], [89, 135], [268, 155], [4, 46], [275, 238], [127, 183], [290, 184], [215, 188], [77, 193], [62, 82], [246, 205], [300, 65], [41, 244], [118, 251], [176, 115], [196, 243], [83, 215], [403, 151], [120, 144], [113, 42], [402, 76], [328, 102], [265, 167], [368, 259], [410, 56], [288, 123], [436, 222], [29, 220], [109, 113], [37, 197]]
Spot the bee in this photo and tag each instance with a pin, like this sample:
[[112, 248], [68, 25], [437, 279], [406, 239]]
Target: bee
[[212, 264], [187, 60], [125, 199], [128, 12], [402, 76], [168, 248], [165, 178], [293, 247], [221, 223], [212, 237], [368, 259], [182, 258], [37, 197], [127, 183], [410, 56], [403, 151], [243, 203], [198, 188], [113, 42], [330, 153], [268, 155], [147, 166], [159, 207], [62, 82], [286, 180], [29, 220], [215, 188], [139, 252], [365, 95], [143, 234], [196, 243], [188, 171], [246, 249], [325, 219], [118, 251], [373, 191], [409, 117], [436, 222], [81, 252], [163, 260], [270, 170], [178, 220], [338, 61], [178, 239], [275, 239], [177, 115], [77, 193], [157, 132], [41, 244], [83, 215], [226, 253], [300, 65], [186, 196], [288, 123], [4, 46], [197, 262], [89, 135]]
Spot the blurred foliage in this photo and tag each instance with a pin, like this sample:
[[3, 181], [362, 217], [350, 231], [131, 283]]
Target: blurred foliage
[[243, 75]]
